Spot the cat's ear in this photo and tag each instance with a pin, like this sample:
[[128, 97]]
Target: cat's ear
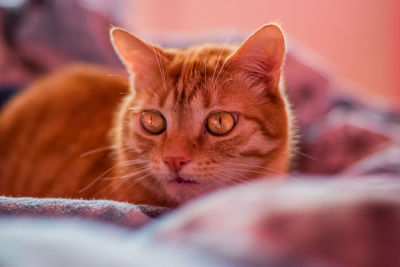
[[142, 60], [260, 57]]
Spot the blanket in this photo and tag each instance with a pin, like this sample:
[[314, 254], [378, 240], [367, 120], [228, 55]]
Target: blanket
[[118, 213], [302, 222]]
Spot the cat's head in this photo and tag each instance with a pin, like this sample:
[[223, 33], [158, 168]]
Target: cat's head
[[204, 117]]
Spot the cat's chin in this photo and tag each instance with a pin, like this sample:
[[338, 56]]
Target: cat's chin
[[180, 190]]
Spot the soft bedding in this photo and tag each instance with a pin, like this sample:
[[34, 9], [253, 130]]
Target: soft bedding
[[301, 222], [118, 213]]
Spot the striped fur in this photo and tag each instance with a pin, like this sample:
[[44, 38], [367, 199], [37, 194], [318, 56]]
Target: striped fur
[[185, 85]]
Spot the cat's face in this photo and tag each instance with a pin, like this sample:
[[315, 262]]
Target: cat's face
[[197, 120]]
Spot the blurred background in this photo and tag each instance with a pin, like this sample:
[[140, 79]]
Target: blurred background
[[356, 40], [360, 39], [342, 67]]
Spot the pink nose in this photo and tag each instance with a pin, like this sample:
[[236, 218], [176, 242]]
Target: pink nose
[[175, 163]]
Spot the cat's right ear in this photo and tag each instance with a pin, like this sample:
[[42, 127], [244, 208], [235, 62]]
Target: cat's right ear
[[261, 56], [142, 60]]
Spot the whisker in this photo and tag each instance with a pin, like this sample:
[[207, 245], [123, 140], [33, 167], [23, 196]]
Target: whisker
[[216, 64], [230, 165], [240, 181], [96, 150], [235, 173], [161, 67], [140, 179], [257, 170], [205, 70], [308, 156], [135, 110], [213, 83], [115, 75], [98, 178], [122, 164], [244, 180], [131, 174], [227, 80], [228, 179]]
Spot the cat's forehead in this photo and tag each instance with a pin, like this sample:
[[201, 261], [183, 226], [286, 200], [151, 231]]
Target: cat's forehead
[[194, 75], [197, 64]]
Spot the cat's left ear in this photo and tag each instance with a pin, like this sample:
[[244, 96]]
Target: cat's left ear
[[261, 56]]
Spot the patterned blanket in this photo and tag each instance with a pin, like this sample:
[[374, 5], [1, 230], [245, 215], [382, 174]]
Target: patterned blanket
[[302, 222], [118, 213]]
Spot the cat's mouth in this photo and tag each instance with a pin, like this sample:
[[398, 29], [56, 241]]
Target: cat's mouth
[[180, 180]]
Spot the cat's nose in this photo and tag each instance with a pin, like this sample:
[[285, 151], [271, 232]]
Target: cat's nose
[[175, 163]]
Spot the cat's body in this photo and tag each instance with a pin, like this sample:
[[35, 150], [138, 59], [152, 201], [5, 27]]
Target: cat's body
[[195, 120], [55, 136]]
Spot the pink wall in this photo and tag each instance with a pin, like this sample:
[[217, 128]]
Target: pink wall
[[359, 38]]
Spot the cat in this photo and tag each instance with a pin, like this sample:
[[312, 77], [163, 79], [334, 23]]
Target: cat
[[182, 123]]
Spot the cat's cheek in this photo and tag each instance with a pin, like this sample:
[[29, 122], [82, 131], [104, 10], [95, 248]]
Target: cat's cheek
[[136, 126], [130, 143], [155, 168], [127, 137]]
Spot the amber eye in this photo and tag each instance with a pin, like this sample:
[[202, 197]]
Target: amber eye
[[220, 123], [153, 121]]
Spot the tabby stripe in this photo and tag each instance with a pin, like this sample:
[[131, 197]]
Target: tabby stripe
[[182, 96], [260, 123], [163, 97], [254, 154], [143, 142], [206, 98], [191, 94]]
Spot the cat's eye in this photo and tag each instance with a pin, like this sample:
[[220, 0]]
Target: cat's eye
[[153, 122], [220, 123]]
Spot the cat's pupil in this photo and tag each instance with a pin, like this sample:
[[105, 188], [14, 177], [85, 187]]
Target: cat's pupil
[[220, 123]]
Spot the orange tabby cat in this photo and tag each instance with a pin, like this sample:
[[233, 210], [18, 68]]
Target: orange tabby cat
[[192, 120]]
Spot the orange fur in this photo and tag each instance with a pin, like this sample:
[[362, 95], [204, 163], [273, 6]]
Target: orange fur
[[78, 133]]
